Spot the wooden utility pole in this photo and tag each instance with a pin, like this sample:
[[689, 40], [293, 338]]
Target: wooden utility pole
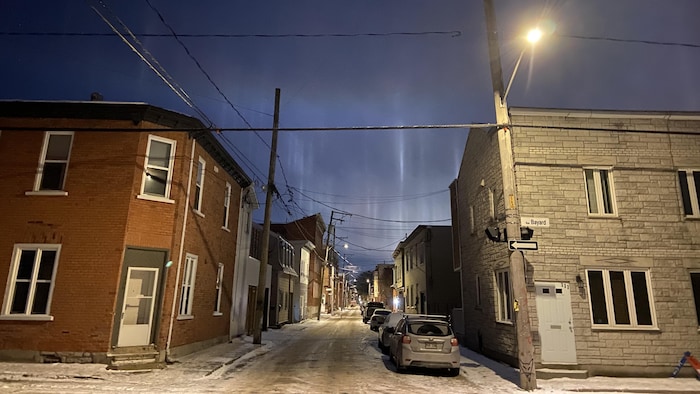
[[265, 253], [526, 362], [325, 262]]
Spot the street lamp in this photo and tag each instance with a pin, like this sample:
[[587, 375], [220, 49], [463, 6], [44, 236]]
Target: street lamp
[[526, 362], [533, 36]]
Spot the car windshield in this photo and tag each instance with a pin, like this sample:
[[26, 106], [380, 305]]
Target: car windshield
[[429, 328]]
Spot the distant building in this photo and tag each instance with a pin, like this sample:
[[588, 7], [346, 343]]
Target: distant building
[[311, 229], [426, 280], [120, 226], [612, 199]]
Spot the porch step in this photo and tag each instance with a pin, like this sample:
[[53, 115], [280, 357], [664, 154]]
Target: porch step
[[551, 373], [134, 358]]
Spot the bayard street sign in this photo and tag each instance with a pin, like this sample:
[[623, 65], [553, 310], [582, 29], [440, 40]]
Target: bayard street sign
[[515, 244]]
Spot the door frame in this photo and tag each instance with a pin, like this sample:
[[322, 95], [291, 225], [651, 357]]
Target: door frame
[[141, 257], [564, 286]]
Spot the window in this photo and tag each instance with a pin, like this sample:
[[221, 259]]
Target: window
[[199, 185], [599, 191], [53, 163], [504, 297], [492, 206], [158, 168], [31, 280], [219, 286], [690, 191], [620, 298], [227, 203], [695, 283], [187, 292]]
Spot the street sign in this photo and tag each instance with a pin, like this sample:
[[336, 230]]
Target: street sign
[[515, 244], [534, 222]]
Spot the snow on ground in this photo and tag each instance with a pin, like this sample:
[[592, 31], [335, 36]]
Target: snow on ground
[[215, 370]]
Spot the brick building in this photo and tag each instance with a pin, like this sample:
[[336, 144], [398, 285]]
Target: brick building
[[612, 197], [119, 232]]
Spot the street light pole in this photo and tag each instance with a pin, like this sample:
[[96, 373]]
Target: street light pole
[[526, 363]]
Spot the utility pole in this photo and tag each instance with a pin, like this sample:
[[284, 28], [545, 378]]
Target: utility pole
[[262, 273], [331, 228], [526, 362]]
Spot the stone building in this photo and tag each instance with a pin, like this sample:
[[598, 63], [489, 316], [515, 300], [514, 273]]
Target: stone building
[[612, 199]]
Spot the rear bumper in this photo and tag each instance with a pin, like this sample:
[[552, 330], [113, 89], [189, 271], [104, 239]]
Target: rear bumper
[[431, 360]]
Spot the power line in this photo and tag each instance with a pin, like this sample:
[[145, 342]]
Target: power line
[[627, 40], [451, 33]]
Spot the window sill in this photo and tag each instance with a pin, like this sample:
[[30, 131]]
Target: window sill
[[505, 322], [59, 193], [691, 217], [198, 212], [598, 216], [27, 317], [155, 198], [226, 229], [640, 329], [185, 317], [217, 314]]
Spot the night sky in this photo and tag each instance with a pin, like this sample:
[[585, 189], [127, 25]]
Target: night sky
[[354, 63]]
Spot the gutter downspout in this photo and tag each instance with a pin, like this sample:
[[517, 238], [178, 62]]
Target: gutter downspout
[[179, 259]]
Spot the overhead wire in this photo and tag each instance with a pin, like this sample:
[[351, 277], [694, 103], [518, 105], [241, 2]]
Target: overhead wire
[[152, 63]]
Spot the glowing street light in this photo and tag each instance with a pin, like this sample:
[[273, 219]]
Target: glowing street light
[[532, 37]]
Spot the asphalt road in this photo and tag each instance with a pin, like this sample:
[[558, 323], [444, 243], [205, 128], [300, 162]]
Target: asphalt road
[[338, 355]]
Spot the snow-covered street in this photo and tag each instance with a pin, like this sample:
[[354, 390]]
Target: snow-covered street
[[337, 354]]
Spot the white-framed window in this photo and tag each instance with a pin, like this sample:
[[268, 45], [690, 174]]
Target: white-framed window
[[620, 298], [187, 291], [53, 162], [199, 185], [695, 284], [158, 168], [30, 281], [504, 297], [690, 192], [599, 191], [227, 203], [219, 288], [477, 298], [492, 205]]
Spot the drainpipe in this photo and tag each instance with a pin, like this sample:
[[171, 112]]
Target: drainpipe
[[179, 258]]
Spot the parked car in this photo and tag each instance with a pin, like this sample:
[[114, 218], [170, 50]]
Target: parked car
[[369, 310], [378, 318], [386, 329], [427, 342]]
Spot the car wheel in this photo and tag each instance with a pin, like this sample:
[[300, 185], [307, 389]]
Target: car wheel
[[453, 372], [384, 349]]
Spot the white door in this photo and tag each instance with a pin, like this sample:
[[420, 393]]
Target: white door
[[137, 310], [555, 323]]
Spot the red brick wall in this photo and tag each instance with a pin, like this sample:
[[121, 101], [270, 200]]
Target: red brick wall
[[97, 220], [89, 223]]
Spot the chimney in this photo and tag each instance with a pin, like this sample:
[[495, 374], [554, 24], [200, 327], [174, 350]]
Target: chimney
[[96, 96]]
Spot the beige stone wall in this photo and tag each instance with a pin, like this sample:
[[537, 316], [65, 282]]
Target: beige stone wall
[[648, 230]]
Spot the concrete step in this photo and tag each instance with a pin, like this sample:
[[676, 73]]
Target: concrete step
[[552, 373]]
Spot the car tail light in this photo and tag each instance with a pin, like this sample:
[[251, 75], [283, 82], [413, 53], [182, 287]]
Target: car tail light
[[406, 339], [454, 342]]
